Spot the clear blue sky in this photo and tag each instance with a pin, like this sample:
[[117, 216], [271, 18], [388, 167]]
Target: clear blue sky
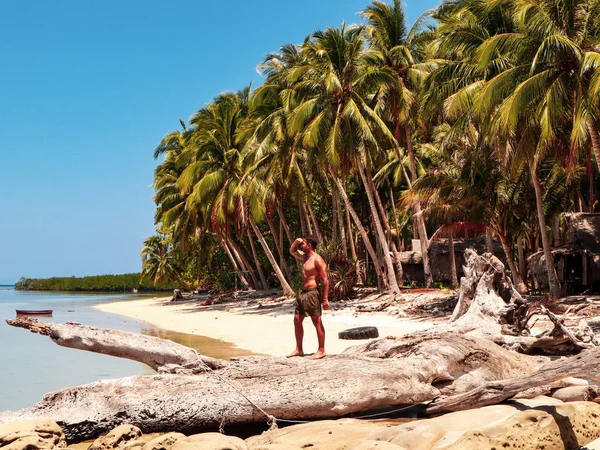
[[87, 90]]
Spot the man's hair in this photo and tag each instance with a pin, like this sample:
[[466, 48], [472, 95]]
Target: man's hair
[[312, 240]]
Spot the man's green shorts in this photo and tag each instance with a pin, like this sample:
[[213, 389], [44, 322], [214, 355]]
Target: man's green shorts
[[308, 303]]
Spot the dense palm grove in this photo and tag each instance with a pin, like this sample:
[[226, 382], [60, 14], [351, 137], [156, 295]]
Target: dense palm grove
[[485, 112]]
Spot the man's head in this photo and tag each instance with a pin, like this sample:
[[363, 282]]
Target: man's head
[[311, 241]]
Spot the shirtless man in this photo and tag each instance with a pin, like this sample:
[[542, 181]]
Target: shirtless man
[[308, 301]]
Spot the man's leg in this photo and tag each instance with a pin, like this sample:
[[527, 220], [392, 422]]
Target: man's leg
[[318, 323], [299, 331]]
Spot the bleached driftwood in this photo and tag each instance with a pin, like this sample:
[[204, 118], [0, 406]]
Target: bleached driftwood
[[387, 372], [159, 354], [456, 367], [585, 364]]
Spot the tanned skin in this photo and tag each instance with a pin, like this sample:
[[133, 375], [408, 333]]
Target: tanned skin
[[313, 270]]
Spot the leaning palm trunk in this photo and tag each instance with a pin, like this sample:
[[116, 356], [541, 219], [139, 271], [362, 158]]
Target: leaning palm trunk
[[278, 244], [521, 255], [285, 225], [391, 244], [453, 272], [418, 218], [244, 263], [553, 284], [361, 228], [359, 273], [508, 247], [424, 245], [393, 202], [313, 218], [340, 218], [264, 283], [236, 268], [391, 274], [413, 178], [288, 233], [489, 238], [555, 227], [595, 138], [287, 290], [304, 220], [335, 239]]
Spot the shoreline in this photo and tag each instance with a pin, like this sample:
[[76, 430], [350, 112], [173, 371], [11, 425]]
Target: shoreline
[[263, 327]]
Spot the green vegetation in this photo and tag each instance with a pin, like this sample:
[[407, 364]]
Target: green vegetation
[[483, 115], [100, 283]]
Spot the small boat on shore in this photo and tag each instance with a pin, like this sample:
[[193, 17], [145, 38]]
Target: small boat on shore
[[37, 312]]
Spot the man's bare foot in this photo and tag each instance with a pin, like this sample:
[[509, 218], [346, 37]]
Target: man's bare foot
[[295, 353], [320, 354]]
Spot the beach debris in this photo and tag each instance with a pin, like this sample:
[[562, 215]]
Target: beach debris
[[359, 333]]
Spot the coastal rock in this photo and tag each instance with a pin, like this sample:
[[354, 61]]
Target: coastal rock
[[164, 442], [321, 435], [118, 438], [548, 421], [275, 447], [210, 441], [133, 445], [367, 444], [31, 435], [526, 424]]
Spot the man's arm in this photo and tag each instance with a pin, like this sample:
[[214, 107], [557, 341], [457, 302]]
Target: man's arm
[[294, 249], [322, 274]]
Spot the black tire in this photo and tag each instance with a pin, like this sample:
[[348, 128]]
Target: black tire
[[359, 333]]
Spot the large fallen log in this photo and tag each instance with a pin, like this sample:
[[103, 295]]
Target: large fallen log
[[457, 367], [382, 373]]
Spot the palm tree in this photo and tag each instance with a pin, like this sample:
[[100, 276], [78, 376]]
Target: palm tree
[[212, 180], [540, 101], [467, 183], [399, 51], [335, 120], [158, 264]]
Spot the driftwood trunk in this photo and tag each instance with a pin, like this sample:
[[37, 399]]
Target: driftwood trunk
[[457, 367], [387, 372]]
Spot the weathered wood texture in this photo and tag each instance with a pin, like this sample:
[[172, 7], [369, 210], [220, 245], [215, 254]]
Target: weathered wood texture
[[382, 373], [586, 364], [153, 351]]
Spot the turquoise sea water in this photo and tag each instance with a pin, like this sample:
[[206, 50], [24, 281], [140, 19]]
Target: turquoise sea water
[[32, 365]]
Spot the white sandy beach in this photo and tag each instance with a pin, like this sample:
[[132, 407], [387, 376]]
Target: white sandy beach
[[264, 331]]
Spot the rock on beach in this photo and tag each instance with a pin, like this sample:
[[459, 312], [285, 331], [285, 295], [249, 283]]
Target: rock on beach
[[524, 424]]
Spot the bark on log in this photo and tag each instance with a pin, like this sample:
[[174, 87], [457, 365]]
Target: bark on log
[[387, 372]]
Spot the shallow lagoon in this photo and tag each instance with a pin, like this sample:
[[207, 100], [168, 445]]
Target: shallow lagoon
[[32, 365]]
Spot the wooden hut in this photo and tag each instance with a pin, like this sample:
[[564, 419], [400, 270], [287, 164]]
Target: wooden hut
[[576, 259]]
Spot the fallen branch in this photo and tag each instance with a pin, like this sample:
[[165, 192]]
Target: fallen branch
[[159, 354], [586, 364], [559, 322]]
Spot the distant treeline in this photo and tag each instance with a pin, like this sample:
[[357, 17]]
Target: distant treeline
[[99, 283]]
